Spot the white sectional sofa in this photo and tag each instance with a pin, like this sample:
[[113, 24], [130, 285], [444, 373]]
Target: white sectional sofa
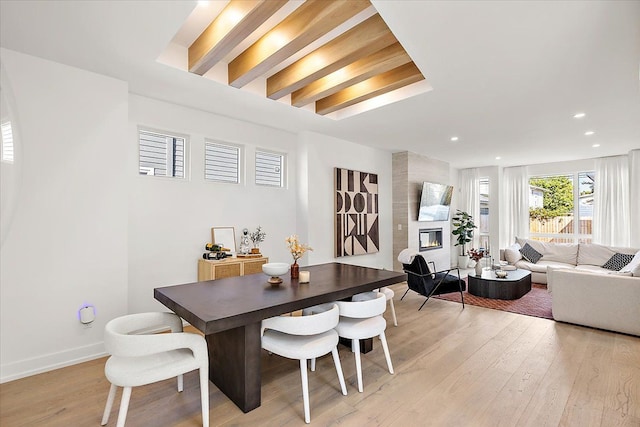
[[582, 290], [596, 300], [580, 257]]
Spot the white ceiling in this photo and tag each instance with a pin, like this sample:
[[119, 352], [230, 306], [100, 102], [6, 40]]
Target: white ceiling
[[507, 77]]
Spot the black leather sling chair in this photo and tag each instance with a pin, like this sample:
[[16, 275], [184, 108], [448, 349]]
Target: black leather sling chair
[[425, 281]]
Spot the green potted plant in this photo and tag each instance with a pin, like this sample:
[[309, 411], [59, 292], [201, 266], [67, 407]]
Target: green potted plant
[[463, 230]]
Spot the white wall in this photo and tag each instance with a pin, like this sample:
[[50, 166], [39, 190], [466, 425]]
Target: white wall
[[170, 220], [321, 154], [67, 242], [86, 228]]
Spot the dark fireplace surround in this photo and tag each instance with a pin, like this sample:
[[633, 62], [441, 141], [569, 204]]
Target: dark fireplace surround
[[429, 239]]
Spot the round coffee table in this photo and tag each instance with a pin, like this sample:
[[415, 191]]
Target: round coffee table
[[514, 286]]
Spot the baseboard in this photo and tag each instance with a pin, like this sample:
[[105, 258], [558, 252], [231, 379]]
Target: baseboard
[[49, 362]]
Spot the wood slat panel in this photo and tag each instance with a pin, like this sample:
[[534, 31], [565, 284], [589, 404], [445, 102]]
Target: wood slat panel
[[375, 86], [306, 24], [362, 40], [236, 22], [384, 60]]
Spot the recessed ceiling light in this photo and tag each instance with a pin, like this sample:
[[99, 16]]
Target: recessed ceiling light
[[498, 158], [596, 145], [579, 115], [589, 133], [454, 138]]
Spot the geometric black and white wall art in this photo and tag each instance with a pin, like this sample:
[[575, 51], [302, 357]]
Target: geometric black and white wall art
[[356, 202]]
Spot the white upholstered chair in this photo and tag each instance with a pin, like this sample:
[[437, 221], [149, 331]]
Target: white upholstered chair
[[360, 320], [388, 294], [304, 338], [139, 357]]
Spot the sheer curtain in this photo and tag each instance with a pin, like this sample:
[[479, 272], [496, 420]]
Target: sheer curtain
[[634, 197], [515, 218], [470, 199], [611, 202]]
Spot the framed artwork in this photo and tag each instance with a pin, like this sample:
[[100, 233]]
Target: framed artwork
[[225, 236], [356, 220]]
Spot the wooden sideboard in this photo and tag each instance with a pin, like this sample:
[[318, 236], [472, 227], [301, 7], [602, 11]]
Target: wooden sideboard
[[229, 267]]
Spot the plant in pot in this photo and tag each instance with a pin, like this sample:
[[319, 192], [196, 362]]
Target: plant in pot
[[463, 230]]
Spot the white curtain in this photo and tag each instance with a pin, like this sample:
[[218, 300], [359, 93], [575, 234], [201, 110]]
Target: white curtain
[[515, 217], [470, 200], [634, 197], [611, 202]]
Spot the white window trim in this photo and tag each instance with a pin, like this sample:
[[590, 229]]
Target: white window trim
[[187, 152], [241, 161], [284, 171]]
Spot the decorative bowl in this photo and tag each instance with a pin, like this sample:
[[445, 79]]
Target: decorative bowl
[[275, 269], [501, 274]]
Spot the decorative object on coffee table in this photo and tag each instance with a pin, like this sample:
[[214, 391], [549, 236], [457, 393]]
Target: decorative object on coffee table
[[477, 256], [297, 250]]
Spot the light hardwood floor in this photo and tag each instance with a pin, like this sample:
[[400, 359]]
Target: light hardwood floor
[[453, 367]]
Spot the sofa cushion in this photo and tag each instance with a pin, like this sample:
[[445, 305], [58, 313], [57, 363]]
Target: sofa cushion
[[541, 266], [633, 265], [560, 252], [618, 261], [512, 254], [599, 270], [530, 254], [594, 254]]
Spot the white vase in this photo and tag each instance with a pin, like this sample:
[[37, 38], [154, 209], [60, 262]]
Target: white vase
[[478, 269], [463, 261]]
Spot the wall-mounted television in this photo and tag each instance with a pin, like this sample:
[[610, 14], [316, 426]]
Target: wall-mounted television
[[435, 201]]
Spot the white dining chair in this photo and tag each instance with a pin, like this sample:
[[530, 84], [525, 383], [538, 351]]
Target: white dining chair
[[388, 294], [304, 338], [140, 357], [360, 320]]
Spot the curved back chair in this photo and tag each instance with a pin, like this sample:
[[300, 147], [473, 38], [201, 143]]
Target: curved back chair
[[388, 293], [303, 338], [139, 358], [361, 320]]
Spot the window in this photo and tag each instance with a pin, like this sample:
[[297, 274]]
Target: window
[[269, 169], [483, 226], [161, 154], [555, 202], [221, 162], [7, 142]]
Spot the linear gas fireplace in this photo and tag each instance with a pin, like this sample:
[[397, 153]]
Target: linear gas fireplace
[[430, 238]]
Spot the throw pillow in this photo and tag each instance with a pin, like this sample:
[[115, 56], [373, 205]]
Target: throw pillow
[[512, 254], [618, 261], [530, 254], [634, 264]]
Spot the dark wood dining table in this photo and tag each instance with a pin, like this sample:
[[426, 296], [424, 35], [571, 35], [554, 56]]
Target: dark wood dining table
[[230, 311]]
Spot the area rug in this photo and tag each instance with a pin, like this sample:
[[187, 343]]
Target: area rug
[[537, 302]]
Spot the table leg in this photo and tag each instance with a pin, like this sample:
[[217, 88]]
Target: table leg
[[366, 345], [234, 364]]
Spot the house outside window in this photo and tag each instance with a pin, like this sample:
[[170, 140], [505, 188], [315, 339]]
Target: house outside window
[[270, 169], [161, 154], [561, 208], [222, 162]]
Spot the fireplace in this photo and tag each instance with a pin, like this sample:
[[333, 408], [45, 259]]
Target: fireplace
[[430, 238]]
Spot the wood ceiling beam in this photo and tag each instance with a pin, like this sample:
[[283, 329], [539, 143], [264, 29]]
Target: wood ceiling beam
[[362, 40], [309, 22], [375, 86], [384, 60], [236, 22]]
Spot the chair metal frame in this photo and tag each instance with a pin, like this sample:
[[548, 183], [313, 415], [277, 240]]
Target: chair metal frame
[[438, 277]]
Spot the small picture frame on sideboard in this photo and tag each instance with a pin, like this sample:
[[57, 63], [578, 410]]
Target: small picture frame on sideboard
[[225, 236]]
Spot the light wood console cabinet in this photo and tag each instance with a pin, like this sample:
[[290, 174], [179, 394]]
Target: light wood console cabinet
[[229, 267]]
